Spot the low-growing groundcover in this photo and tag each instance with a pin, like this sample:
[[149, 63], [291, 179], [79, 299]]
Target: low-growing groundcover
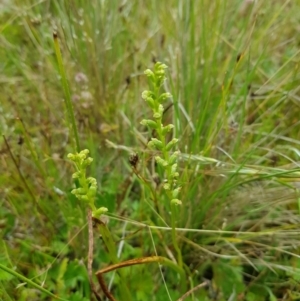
[[185, 173]]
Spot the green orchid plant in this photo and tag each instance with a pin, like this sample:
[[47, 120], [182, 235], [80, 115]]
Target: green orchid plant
[[86, 192], [168, 157], [167, 160]]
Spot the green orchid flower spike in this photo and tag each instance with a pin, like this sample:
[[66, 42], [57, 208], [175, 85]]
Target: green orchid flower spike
[[167, 159], [87, 190]]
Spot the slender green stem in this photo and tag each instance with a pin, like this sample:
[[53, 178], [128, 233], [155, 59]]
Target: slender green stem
[[166, 157], [67, 93], [173, 209], [174, 235]]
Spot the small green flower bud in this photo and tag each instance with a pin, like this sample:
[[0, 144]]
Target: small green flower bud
[[92, 191], [76, 174], [171, 144], [151, 145], [173, 158], [160, 73], [85, 152], [83, 198], [97, 213], [167, 128], [173, 168], [91, 181], [87, 162], [157, 115], [146, 94], [167, 186], [150, 123], [161, 161], [163, 66], [71, 157], [78, 191], [159, 67], [164, 97], [151, 103], [148, 72], [175, 192], [81, 157], [156, 143], [176, 202], [175, 175], [161, 109]]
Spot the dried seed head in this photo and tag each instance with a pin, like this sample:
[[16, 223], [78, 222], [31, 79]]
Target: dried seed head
[[134, 159]]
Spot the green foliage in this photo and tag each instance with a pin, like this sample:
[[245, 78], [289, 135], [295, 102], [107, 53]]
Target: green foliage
[[66, 277], [224, 269]]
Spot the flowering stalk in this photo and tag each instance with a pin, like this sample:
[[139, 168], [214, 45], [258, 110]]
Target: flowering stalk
[[87, 186], [86, 192], [167, 158]]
